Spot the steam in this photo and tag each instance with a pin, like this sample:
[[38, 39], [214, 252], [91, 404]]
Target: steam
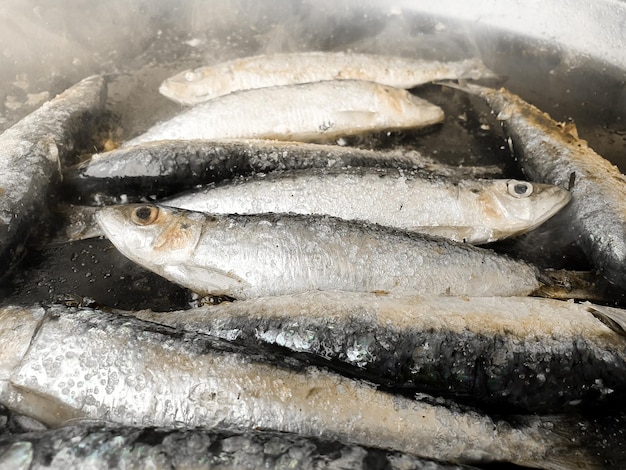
[[47, 47]]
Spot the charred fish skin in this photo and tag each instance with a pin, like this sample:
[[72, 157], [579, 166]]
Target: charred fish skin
[[31, 153], [101, 446], [549, 153], [471, 211], [317, 112], [198, 85], [247, 256], [534, 355], [95, 365], [164, 168]]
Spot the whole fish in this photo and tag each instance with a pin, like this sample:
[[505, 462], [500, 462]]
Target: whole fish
[[474, 211], [31, 152], [163, 168], [532, 354], [550, 153], [247, 256], [101, 446], [79, 363], [201, 84], [319, 111]]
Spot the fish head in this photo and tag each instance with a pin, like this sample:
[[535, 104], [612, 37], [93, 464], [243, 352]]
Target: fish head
[[516, 206], [153, 236], [194, 86], [164, 240]]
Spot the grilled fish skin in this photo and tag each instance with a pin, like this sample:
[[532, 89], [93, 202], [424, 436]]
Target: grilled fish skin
[[102, 446], [549, 153], [536, 355], [163, 168], [195, 86], [318, 112], [472, 211], [84, 363], [31, 153], [247, 256]]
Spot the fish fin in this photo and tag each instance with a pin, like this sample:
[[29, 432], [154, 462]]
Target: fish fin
[[576, 442], [353, 118], [569, 128], [614, 318], [475, 69], [206, 281], [564, 284], [463, 85], [77, 222]]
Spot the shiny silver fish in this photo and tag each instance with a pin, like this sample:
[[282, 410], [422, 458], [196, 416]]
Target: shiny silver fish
[[60, 364], [139, 171], [31, 153], [103, 446], [246, 256], [164, 168], [548, 152], [519, 353], [320, 111], [201, 84], [474, 211]]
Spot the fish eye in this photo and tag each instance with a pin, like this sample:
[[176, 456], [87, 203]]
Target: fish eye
[[144, 215], [193, 76], [519, 189]]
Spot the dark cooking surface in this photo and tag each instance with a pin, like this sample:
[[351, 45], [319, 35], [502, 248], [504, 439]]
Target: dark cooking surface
[[561, 83]]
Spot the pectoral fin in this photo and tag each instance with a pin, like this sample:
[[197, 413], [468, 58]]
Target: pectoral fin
[[205, 281]]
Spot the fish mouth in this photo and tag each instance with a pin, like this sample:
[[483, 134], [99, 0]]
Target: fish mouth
[[555, 199], [563, 199], [105, 217], [165, 90], [117, 229]]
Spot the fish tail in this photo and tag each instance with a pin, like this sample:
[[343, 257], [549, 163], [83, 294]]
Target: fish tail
[[614, 318], [563, 284], [465, 86], [579, 442], [476, 69]]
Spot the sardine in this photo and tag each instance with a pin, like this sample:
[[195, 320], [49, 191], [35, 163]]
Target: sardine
[[158, 169], [31, 153], [320, 111], [532, 354], [101, 446], [201, 84], [472, 211], [548, 152], [247, 256], [87, 364]]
